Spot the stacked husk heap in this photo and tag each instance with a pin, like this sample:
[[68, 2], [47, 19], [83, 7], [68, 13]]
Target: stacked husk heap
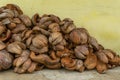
[[31, 44]]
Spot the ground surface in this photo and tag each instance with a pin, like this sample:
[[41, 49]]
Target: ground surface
[[113, 74]]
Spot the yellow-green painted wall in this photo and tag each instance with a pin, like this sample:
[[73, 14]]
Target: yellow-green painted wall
[[100, 17]]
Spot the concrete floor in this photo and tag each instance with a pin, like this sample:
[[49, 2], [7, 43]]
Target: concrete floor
[[113, 74]]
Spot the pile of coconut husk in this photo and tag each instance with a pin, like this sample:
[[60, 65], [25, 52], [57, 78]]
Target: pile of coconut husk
[[31, 44]]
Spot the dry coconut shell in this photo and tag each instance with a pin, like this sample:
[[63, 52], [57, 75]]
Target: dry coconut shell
[[102, 57], [91, 61], [101, 67]]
